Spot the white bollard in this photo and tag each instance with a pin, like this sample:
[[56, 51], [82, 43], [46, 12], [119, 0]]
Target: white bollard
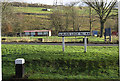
[[63, 44], [85, 44], [19, 68]]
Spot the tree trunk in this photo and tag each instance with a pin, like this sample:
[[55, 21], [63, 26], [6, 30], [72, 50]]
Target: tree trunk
[[90, 21], [102, 27], [67, 22], [73, 25]]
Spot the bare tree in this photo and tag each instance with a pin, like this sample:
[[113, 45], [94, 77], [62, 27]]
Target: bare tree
[[103, 9], [7, 18], [67, 17], [57, 21], [90, 20], [74, 15], [115, 18]]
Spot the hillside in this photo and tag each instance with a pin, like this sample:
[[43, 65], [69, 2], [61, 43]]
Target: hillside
[[83, 14], [32, 17]]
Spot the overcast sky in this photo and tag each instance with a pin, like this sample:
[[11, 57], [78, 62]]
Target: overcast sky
[[49, 2]]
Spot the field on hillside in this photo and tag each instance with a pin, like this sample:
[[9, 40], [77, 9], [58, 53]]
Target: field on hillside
[[49, 62], [84, 10], [44, 22], [31, 10]]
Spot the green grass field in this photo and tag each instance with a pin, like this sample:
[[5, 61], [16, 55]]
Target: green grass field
[[49, 62], [31, 10]]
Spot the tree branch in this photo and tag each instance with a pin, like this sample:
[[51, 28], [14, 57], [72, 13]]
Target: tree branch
[[110, 8]]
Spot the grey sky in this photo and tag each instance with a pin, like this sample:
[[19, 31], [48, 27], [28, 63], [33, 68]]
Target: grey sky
[[49, 2]]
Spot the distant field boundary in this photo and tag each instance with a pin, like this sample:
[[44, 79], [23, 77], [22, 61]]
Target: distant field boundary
[[46, 14], [33, 13]]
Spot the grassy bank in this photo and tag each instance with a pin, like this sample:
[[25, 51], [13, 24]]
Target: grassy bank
[[49, 62], [91, 39]]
